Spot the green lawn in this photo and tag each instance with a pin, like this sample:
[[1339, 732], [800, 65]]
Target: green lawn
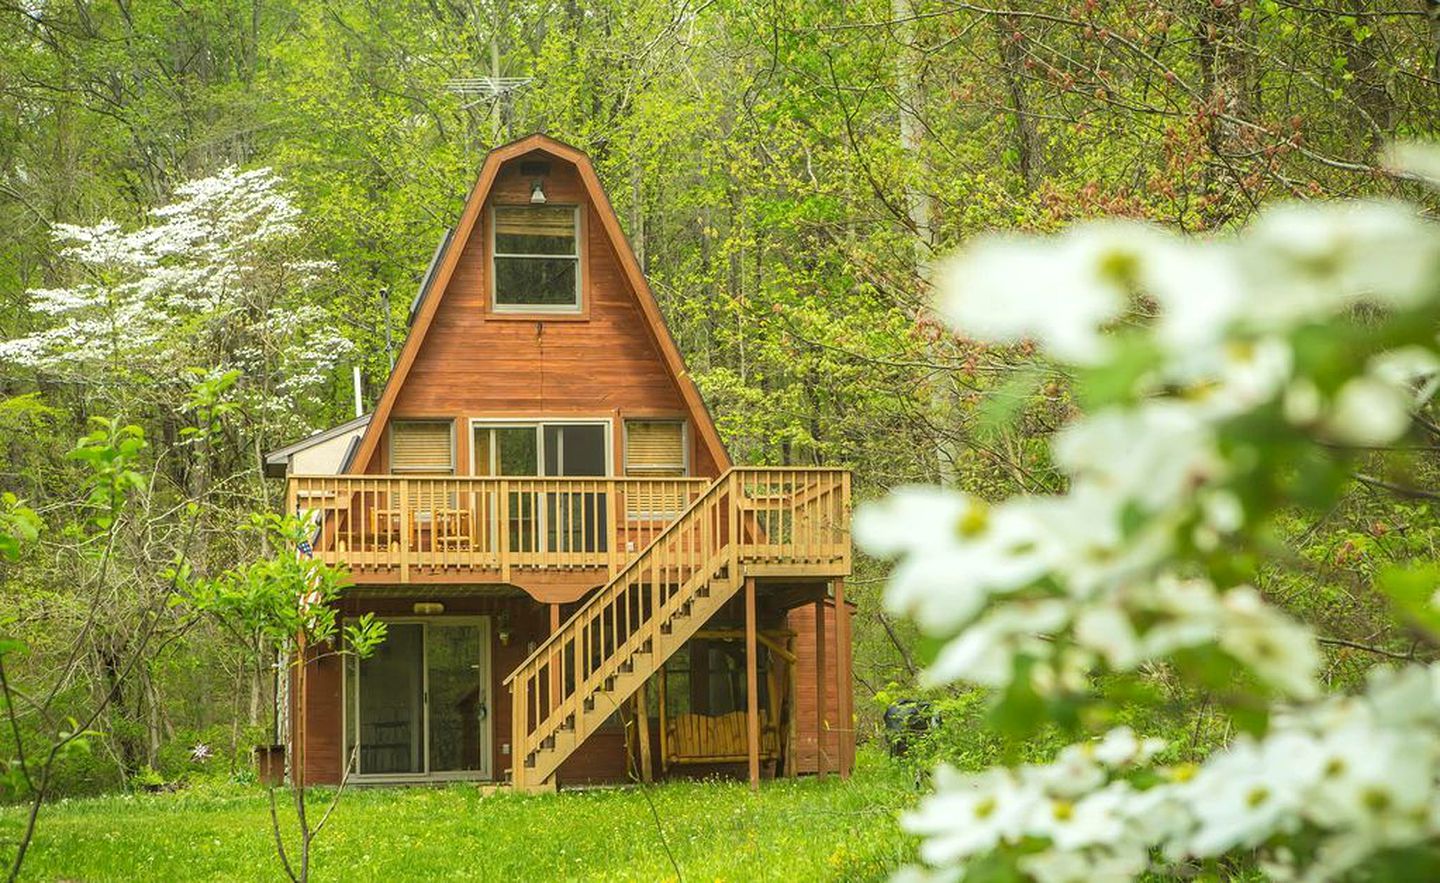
[[805, 830]]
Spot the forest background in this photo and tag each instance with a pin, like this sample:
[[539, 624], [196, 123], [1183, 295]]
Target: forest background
[[789, 174]]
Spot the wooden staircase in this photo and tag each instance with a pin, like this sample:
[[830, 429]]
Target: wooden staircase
[[749, 522]]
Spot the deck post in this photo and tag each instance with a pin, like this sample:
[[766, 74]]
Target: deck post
[[613, 534], [792, 727], [502, 531], [752, 686], [820, 727], [518, 715], [664, 698], [642, 732], [842, 679], [557, 660]]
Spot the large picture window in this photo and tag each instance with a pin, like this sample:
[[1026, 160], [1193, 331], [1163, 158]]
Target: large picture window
[[536, 258]]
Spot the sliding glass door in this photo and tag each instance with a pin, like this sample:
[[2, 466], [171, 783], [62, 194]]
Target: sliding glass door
[[459, 711], [390, 705], [419, 707], [542, 520]]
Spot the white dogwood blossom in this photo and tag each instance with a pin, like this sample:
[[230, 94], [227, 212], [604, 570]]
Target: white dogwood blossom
[[1361, 771], [214, 279], [1227, 349]]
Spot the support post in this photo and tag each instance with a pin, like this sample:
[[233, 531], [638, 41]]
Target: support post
[[642, 732], [664, 722], [752, 685], [845, 734], [518, 728], [820, 725], [792, 725], [557, 661]]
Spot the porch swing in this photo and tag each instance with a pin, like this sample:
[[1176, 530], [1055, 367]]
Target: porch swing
[[712, 729]]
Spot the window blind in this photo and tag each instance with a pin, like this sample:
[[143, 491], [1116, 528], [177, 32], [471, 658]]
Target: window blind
[[655, 447], [524, 221], [421, 446]]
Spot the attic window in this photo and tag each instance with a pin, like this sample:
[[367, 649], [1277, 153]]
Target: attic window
[[537, 258]]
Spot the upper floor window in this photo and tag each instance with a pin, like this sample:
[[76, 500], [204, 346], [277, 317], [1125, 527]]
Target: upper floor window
[[536, 258], [655, 448], [425, 446]]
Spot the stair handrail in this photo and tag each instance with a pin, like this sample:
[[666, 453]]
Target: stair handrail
[[642, 555]]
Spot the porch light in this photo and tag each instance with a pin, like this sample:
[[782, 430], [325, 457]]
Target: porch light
[[537, 192], [503, 633], [428, 608]]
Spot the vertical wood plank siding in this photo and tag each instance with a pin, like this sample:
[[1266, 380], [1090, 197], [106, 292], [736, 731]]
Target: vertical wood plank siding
[[801, 620]]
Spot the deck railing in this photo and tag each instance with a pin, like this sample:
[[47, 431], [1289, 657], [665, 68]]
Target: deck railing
[[401, 524]]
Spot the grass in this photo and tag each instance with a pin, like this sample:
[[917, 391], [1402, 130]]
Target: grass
[[717, 830]]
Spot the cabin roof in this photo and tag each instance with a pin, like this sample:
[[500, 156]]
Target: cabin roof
[[424, 290], [442, 266], [277, 460]]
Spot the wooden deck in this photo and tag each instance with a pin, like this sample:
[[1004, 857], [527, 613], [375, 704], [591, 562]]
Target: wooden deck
[[397, 529]]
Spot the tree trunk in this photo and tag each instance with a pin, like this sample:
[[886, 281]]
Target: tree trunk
[[1012, 64]]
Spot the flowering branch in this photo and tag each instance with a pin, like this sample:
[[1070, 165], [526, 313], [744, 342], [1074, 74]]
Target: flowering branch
[[1225, 383]]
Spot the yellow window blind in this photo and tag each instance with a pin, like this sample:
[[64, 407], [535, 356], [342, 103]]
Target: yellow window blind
[[655, 447], [557, 222], [421, 446]]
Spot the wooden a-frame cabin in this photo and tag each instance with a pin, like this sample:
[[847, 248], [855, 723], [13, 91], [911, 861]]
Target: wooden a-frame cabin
[[579, 586]]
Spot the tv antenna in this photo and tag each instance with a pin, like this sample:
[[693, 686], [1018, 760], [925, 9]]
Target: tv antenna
[[486, 88], [493, 90]]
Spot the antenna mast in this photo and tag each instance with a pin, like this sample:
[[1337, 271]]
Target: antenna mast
[[494, 89]]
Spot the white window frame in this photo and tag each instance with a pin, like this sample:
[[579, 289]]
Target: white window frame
[[350, 704], [538, 424], [564, 309]]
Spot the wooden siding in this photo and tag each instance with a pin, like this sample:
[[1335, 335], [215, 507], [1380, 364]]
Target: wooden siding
[[604, 363], [836, 735], [323, 745]]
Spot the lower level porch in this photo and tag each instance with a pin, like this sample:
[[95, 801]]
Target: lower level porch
[[433, 705]]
